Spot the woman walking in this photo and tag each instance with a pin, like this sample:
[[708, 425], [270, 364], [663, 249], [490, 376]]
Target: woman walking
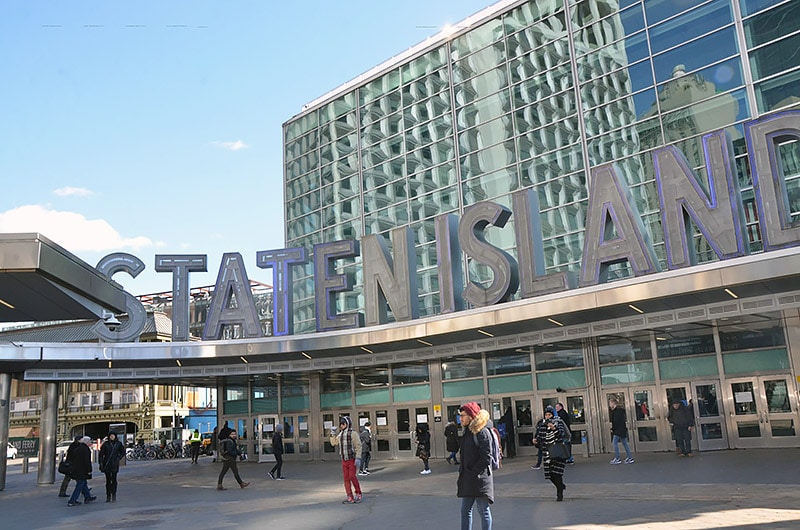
[[551, 432], [111, 452], [424, 446]]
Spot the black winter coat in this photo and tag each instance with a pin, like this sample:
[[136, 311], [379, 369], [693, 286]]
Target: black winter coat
[[474, 473], [81, 462], [110, 455], [619, 422], [451, 437]]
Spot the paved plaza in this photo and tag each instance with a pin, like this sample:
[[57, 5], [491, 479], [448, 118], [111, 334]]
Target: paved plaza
[[744, 489]]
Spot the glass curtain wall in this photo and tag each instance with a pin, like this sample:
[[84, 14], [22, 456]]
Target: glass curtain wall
[[532, 98]]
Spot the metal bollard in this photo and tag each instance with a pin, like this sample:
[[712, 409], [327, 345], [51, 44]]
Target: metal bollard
[[584, 444], [25, 464]]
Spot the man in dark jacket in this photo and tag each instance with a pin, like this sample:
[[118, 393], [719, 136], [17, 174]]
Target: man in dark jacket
[[475, 481], [682, 419], [277, 451], [619, 432], [111, 453], [81, 471], [225, 431], [229, 451], [62, 492]]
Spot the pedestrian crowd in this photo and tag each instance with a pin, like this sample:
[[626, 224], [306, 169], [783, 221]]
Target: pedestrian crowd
[[472, 440]]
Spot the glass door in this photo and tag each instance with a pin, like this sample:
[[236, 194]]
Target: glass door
[[763, 412], [642, 414], [524, 421], [265, 427], [709, 417], [296, 437]]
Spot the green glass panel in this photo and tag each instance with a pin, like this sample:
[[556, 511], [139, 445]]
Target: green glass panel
[[627, 373], [754, 361], [265, 405], [688, 367], [372, 396], [336, 399], [294, 403], [235, 407], [511, 383], [561, 378], [463, 388], [412, 393]]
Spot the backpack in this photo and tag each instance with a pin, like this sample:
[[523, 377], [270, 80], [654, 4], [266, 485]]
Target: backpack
[[496, 455]]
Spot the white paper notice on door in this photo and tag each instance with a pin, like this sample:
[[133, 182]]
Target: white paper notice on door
[[382, 420], [422, 418], [743, 397]]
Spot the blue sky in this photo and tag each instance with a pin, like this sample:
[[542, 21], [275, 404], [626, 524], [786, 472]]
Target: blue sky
[[154, 127]]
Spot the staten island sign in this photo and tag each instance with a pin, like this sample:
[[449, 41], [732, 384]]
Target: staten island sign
[[614, 233]]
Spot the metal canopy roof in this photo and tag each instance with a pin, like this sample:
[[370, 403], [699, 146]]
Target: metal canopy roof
[[41, 281], [758, 284]]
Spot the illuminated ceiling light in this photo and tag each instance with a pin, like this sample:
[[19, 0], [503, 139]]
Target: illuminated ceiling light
[[366, 349], [556, 322], [661, 338], [485, 333], [178, 361], [243, 359], [304, 354], [6, 304], [636, 309], [426, 343], [733, 295], [109, 364]]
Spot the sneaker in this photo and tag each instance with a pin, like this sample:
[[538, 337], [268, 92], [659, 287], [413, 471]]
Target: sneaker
[[63, 495], [362, 474], [681, 455], [537, 466], [615, 461], [690, 455], [358, 497], [73, 503], [221, 488], [425, 472], [271, 475], [571, 462], [89, 499], [243, 485], [629, 460], [281, 478], [349, 500]]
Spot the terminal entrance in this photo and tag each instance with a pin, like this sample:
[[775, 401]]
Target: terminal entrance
[[710, 432], [763, 412]]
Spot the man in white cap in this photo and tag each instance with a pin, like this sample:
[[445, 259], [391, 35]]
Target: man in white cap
[[81, 471]]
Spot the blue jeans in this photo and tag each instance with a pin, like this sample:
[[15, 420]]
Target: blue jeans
[[616, 440], [483, 510], [81, 486]]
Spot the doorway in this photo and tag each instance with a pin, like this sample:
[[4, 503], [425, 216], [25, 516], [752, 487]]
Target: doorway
[[710, 432], [642, 414], [763, 412], [296, 435], [265, 428]]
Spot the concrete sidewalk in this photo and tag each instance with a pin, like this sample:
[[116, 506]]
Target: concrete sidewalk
[[757, 488]]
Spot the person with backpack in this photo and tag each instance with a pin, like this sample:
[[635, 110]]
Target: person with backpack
[[111, 452], [366, 448], [349, 444], [424, 446], [229, 451], [475, 485], [554, 432]]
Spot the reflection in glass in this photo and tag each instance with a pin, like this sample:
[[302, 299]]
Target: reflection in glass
[[524, 415], [748, 429], [641, 402], [557, 356], [782, 427], [711, 431], [647, 434], [575, 409], [707, 404], [462, 367], [777, 396]]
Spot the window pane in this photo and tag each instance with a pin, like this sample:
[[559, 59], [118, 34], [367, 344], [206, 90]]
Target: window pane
[[461, 367]]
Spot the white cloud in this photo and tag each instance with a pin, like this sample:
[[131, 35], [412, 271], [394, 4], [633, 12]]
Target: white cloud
[[232, 146], [69, 191], [69, 229]]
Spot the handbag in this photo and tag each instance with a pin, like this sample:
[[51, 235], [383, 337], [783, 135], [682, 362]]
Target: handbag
[[65, 467], [559, 451]]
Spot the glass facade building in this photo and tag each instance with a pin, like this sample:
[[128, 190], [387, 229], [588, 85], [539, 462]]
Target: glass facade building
[[533, 95]]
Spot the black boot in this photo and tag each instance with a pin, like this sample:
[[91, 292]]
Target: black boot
[[113, 497], [560, 487], [108, 498]]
